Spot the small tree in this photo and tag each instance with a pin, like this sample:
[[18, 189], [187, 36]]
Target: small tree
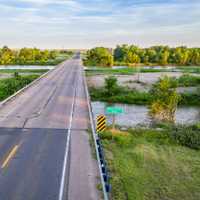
[[111, 86], [164, 100]]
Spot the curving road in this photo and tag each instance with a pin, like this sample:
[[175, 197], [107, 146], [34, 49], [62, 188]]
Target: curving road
[[37, 161]]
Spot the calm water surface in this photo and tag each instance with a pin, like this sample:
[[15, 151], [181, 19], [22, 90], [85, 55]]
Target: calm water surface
[[25, 67], [135, 114]]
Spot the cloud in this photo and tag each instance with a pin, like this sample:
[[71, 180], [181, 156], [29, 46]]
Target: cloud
[[107, 22]]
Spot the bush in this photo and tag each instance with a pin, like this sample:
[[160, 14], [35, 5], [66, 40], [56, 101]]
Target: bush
[[165, 100], [187, 136], [188, 80], [11, 85], [111, 86]]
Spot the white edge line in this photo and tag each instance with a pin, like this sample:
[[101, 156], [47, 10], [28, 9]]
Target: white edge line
[[95, 137], [62, 182]]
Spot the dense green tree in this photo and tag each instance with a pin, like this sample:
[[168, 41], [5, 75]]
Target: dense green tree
[[6, 56], [99, 56], [27, 56], [162, 55]]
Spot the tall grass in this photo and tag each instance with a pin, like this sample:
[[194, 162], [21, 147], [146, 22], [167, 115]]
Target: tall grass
[[150, 165]]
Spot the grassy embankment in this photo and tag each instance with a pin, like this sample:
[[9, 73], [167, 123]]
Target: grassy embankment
[[153, 165], [130, 96], [9, 86]]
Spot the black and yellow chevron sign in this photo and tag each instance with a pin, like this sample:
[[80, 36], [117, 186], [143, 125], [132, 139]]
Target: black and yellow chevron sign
[[101, 123]]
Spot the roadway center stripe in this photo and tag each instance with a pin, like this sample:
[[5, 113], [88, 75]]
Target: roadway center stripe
[[10, 156]]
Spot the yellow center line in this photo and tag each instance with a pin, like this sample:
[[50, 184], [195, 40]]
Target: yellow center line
[[10, 156]]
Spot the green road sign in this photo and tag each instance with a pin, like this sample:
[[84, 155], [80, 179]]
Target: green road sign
[[114, 110]]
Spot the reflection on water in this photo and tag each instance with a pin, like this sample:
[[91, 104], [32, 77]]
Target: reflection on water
[[136, 114]]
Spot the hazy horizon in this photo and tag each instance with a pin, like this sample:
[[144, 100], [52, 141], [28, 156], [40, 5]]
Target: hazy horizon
[[83, 24]]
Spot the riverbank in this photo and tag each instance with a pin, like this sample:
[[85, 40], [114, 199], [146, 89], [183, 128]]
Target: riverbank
[[126, 70], [136, 89], [150, 165], [138, 115]]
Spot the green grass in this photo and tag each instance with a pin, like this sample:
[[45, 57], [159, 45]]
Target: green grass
[[131, 70], [148, 165], [139, 98], [109, 71], [122, 96], [7, 71], [9, 86], [190, 99], [188, 80], [190, 69]]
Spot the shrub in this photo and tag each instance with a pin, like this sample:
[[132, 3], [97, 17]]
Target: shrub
[[111, 86], [165, 100], [188, 80], [187, 136], [11, 85]]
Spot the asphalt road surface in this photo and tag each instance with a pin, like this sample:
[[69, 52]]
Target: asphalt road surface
[[37, 162]]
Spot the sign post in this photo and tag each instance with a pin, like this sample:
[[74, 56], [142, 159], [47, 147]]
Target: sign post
[[114, 111]]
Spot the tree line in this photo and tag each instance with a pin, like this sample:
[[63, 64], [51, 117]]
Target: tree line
[[26, 56], [134, 55]]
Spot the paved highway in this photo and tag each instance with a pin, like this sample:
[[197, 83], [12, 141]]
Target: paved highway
[[37, 162]]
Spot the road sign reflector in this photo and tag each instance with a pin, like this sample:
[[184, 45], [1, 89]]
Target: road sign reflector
[[101, 123]]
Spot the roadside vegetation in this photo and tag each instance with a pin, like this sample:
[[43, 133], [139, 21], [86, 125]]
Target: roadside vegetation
[[131, 55], [113, 93], [164, 100], [154, 164], [132, 96], [158, 162], [162, 159], [9, 86], [32, 56]]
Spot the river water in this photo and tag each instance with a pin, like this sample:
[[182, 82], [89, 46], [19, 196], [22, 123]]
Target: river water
[[25, 67], [135, 114]]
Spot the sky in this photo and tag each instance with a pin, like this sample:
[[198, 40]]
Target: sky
[[87, 24]]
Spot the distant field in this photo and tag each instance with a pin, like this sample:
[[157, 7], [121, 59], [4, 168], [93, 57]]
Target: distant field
[[146, 165]]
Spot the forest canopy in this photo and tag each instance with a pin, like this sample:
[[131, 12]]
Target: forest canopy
[[30, 56], [134, 55]]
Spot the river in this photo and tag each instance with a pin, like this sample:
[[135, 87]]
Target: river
[[136, 114], [25, 67]]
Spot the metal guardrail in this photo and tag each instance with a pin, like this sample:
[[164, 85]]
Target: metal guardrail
[[98, 148]]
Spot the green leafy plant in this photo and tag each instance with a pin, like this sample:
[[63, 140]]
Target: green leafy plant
[[164, 100]]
